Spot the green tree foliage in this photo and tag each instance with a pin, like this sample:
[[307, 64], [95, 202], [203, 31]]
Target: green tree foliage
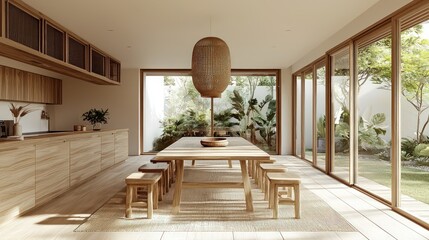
[[374, 64]]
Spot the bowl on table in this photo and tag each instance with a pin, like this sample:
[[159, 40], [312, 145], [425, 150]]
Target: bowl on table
[[214, 142]]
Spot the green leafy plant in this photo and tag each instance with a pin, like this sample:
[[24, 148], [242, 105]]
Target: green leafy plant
[[189, 123], [266, 125], [321, 127], [96, 116]]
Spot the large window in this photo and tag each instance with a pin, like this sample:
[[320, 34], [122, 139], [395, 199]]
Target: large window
[[373, 90], [340, 90], [173, 108]]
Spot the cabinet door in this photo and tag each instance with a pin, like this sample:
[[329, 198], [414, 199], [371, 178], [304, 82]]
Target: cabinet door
[[17, 181], [85, 158], [52, 170], [107, 150], [23, 26], [121, 146]]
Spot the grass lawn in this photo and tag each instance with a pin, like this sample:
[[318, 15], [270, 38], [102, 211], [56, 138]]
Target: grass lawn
[[414, 182]]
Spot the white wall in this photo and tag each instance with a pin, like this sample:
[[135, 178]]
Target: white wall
[[31, 122], [286, 111], [122, 102], [377, 12]]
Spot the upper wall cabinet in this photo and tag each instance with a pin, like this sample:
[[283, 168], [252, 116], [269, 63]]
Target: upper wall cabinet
[[54, 41], [22, 86], [98, 62], [31, 37], [77, 53], [23, 27]]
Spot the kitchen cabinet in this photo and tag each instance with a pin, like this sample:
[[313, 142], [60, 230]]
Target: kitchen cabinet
[[52, 169], [17, 180], [98, 62], [107, 150], [121, 146], [40, 168], [23, 86], [23, 26], [33, 38], [54, 41], [85, 158]]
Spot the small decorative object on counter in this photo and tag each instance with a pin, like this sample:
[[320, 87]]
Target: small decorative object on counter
[[18, 113], [96, 117], [214, 142]]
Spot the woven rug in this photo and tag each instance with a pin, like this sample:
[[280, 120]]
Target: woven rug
[[216, 210]]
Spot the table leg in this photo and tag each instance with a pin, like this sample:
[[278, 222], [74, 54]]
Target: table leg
[[247, 187], [178, 187]]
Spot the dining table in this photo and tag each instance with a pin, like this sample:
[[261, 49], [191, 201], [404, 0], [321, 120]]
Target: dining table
[[190, 148]]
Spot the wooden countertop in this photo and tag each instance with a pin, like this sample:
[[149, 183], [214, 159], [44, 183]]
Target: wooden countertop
[[55, 136]]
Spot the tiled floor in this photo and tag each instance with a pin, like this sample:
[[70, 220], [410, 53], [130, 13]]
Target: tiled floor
[[58, 218]]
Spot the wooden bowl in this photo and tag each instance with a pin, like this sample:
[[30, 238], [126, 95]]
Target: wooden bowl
[[214, 142]]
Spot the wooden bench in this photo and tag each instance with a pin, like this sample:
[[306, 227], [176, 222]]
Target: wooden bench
[[148, 181], [171, 168]]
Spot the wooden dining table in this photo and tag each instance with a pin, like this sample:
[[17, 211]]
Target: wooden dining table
[[189, 148]]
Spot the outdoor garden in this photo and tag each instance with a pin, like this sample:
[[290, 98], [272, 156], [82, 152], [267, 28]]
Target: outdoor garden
[[247, 109]]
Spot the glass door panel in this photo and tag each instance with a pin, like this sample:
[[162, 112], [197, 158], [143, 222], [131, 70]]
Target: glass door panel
[[340, 88], [374, 171], [415, 119], [298, 117], [308, 116], [321, 117]]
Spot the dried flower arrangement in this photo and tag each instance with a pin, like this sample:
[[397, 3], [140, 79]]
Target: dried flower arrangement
[[19, 112]]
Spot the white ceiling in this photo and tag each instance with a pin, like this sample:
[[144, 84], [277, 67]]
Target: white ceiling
[[162, 33]]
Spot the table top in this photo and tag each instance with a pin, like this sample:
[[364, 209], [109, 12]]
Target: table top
[[189, 148]]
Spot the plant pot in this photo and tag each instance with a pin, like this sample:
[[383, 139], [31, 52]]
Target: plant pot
[[17, 129], [321, 145], [96, 127]]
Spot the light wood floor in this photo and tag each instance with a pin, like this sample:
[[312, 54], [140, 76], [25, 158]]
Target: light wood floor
[[58, 218]]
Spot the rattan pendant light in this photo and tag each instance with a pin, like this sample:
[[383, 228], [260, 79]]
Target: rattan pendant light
[[211, 67]]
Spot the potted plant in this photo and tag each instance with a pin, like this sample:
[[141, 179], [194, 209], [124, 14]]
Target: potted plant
[[321, 134], [96, 117]]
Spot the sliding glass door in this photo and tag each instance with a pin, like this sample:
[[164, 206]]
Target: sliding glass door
[[340, 91], [373, 90]]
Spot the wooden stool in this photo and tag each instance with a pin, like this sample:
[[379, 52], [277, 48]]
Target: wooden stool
[[171, 168], [263, 183], [142, 180], [258, 172], [158, 168], [253, 167], [289, 180]]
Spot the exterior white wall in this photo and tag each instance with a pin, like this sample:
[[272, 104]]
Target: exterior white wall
[[154, 110]]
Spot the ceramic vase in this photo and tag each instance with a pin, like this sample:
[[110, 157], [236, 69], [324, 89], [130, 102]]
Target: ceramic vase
[[17, 129]]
